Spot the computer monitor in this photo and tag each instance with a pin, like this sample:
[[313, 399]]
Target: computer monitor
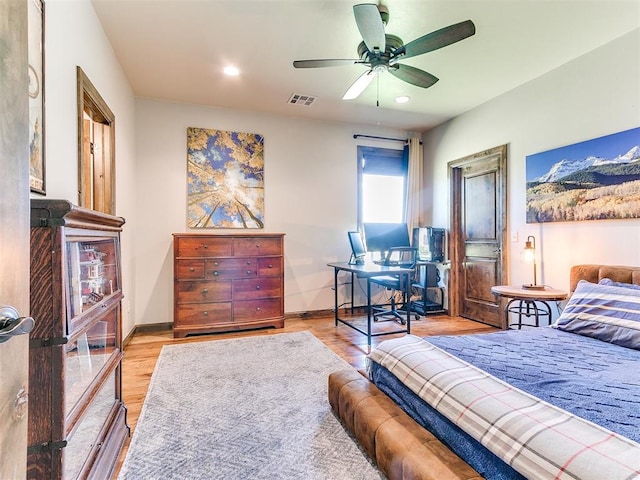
[[358, 251], [430, 243], [380, 237]]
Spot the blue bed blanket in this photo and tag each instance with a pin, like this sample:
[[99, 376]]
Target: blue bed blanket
[[592, 379], [595, 380]]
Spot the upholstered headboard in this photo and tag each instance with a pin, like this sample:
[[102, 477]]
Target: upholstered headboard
[[594, 273]]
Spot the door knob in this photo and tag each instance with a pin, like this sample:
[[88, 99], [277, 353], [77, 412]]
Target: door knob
[[12, 325]]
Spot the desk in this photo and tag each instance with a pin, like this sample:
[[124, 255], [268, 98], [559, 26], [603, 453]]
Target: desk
[[367, 271], [526, 302]]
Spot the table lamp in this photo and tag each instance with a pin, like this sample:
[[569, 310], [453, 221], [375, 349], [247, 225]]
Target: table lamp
[[529, 256]]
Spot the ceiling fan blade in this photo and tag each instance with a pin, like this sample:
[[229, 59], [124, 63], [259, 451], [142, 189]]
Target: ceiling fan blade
[[335, 62], [413, 75], [359, 85], [370, 25], [438, 39]]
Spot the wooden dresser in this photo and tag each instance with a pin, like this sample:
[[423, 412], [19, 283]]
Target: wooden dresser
[[227, 282]]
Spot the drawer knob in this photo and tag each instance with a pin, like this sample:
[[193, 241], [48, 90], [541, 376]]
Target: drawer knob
[[257, 287], [204, 246], [215, 264], [248, 272], [257, 309], [205, 313], [192, 269], [248, 263], [270, 265], [204, 290], [215, 273], [257, 245]]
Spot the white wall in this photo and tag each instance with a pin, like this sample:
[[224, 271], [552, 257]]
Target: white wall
[[310, 169], [74, 36], [592, 96], [310, 196]]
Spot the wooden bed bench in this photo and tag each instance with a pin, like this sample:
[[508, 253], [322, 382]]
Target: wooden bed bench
[[400, 447]]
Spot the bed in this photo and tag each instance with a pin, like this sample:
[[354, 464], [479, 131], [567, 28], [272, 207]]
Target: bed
[[550, 402]]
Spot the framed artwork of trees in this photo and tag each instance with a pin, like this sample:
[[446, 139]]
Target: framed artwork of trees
[[225, 179]]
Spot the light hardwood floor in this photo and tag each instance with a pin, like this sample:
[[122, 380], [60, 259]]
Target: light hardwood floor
[[141, 352]]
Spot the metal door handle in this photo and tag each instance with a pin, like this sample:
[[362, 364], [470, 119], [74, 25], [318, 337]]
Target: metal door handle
[[12, 325]]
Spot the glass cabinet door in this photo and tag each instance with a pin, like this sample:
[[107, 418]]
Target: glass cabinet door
[[86, 355], [92, 274]]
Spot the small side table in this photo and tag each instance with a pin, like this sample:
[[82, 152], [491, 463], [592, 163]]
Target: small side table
[[527, 302]]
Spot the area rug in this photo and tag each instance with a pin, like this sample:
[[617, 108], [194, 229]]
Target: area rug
[[248, 408]]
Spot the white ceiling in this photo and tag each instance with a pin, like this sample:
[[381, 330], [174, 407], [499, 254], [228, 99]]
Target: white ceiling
[[176, 49]]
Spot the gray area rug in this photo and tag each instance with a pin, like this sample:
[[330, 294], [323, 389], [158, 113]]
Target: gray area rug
[[248, 408]]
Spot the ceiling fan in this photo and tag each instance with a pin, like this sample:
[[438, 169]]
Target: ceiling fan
[[382, 52]]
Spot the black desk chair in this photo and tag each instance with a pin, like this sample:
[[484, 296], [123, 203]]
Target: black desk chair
[[399, 257]]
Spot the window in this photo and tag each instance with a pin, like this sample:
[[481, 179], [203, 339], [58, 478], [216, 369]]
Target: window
[[382, 185]]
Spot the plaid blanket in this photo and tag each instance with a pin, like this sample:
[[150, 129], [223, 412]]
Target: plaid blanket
[[536, 438]]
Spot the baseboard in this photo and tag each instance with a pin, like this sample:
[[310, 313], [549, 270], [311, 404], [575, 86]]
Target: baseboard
[[322, 313], [159, 327], [147, 327], [309, 314]]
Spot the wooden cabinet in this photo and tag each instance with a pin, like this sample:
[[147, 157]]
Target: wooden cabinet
[[77, 420], [227, 282]]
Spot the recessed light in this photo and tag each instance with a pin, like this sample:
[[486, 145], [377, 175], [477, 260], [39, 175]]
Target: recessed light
[[231, 71], [402, 99]]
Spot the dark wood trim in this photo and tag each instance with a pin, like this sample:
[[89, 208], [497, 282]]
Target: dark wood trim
[[146, 328], [88, 98], [310, 314]]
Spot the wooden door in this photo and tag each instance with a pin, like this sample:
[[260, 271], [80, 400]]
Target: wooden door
[[14, 236], [478, 235]]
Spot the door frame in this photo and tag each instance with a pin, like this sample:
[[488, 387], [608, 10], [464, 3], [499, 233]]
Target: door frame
[[92, 105], [456, 236]]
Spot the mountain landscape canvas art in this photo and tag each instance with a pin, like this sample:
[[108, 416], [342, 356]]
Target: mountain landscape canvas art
[[597, 179]]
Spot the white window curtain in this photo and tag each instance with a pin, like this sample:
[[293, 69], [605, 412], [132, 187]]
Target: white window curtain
[[414, 204]]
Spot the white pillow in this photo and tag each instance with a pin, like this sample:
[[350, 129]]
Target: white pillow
[[607, 312]]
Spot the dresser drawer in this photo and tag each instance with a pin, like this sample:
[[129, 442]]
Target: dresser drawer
[[192, 314], [199, 292], [247, 310], [270, 266], [251, 288], [257, 246], [204, 246], [227, 268], [189, 269]]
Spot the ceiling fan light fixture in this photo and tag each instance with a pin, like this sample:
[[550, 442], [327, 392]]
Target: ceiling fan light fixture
[[231, 71], [403, 99], [381, 51], [359, 85]]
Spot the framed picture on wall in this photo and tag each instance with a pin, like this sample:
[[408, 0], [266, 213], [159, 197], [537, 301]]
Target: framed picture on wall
[[598, 179], [225, 179], [36, 96]]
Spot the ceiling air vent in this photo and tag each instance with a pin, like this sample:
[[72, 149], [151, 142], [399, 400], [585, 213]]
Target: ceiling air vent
[[306, 100]]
